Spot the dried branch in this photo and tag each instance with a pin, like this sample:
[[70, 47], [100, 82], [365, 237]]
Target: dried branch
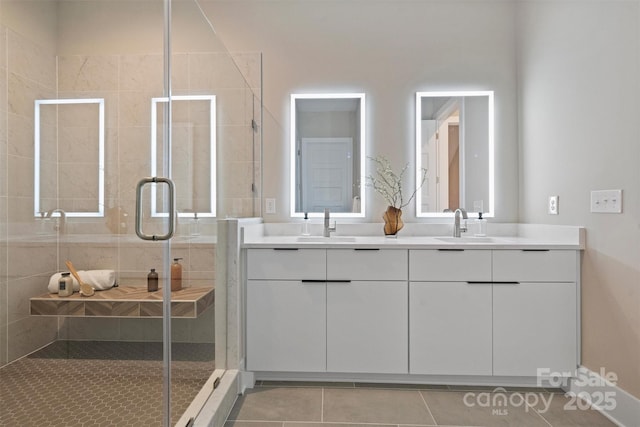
[[388, 184]]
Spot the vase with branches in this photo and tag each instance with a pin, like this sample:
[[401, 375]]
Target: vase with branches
[[388, 184]]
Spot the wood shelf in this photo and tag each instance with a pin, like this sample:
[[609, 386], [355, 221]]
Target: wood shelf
[[125, 301]]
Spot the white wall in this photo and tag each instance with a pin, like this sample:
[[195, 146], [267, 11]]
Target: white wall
[[389, 50], [579, 109]]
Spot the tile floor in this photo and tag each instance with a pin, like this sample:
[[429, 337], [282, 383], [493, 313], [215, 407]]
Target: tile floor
[[282, 404], [100, 383]]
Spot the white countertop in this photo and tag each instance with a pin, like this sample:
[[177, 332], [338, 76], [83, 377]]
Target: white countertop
[[523, 237]]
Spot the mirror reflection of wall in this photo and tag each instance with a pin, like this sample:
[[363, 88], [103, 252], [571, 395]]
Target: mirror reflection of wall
[[327, 141], [193, 155], [455, 144]]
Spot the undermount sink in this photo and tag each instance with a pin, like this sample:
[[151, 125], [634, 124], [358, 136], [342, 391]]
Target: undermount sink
[[467, 239], [320, 239]]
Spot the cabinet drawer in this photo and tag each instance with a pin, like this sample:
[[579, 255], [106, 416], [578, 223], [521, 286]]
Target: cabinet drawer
[[449, 266], [295, 264], [364, 264], [534, 266]]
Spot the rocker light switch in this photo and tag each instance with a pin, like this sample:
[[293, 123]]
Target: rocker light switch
[[606, 201]]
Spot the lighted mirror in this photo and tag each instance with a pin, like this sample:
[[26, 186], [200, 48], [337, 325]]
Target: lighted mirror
[[454, 143], [327, 154], [193, 154], [69, 157]]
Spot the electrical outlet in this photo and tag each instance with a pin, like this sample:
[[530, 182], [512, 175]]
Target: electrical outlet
[[606, 201], [553, 207], [270, 206]]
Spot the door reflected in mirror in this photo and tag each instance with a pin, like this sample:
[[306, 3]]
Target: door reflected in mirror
[[327, 154], [454, 143]]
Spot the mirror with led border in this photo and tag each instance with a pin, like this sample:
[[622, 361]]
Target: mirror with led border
[[193, 155], [69, 157], [327, 154], [454, 143]]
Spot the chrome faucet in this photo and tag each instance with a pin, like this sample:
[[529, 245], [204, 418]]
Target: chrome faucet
[[327, 228], [60, 224], [457, 229]]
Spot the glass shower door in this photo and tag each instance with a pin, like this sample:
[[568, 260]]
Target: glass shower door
[[95, 72]]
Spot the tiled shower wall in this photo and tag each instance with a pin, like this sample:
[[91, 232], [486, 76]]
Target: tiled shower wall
[[28, 73], [127, 83]]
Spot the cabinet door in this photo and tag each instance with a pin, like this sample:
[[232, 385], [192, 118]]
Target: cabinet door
[[367, 327], [450, 328], [534, 327], [286, 326]]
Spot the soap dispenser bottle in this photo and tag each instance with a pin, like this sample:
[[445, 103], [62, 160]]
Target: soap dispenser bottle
[[176, 275], [152, 281], [481, 226], [305, 225], [195, 226]]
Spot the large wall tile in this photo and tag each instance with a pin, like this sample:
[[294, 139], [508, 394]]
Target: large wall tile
[[249, 66], [134, 107], [232, 107], [202, 260], [142, 73], [29, 334], [3, 92], [20, 214], [208, 71], [3, 344], [87, 257], [141, 257], [87, 328], [32, 61], [19, 292], [30, 259], [20, 136], [87, 73], [140, 329], [20, 176], [3, 303], [3, 46]]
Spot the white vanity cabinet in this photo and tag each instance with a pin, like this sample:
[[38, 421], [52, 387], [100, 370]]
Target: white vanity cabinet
[[286, 310], [412, 312], [319, 310], [450, 317], [535, 305], [367, 309], [493, 312]]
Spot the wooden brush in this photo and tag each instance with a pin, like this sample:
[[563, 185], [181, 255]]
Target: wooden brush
[[86, 290]]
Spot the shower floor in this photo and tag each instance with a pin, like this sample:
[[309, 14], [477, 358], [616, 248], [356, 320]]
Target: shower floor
[[100, 383]]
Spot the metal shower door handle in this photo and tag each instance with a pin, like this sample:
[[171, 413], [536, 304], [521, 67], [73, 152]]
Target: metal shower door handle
[[172, 210]]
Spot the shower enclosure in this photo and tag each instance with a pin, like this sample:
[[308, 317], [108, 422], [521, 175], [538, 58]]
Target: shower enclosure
[[96, 96]]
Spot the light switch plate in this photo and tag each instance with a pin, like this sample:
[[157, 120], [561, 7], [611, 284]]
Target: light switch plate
[[606, 201], [553, 207]]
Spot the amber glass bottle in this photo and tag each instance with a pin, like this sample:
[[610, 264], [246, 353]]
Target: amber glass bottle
[[152, 281], [176, 275]]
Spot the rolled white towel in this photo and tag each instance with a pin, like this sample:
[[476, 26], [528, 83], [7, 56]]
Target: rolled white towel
[[99, 279]]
